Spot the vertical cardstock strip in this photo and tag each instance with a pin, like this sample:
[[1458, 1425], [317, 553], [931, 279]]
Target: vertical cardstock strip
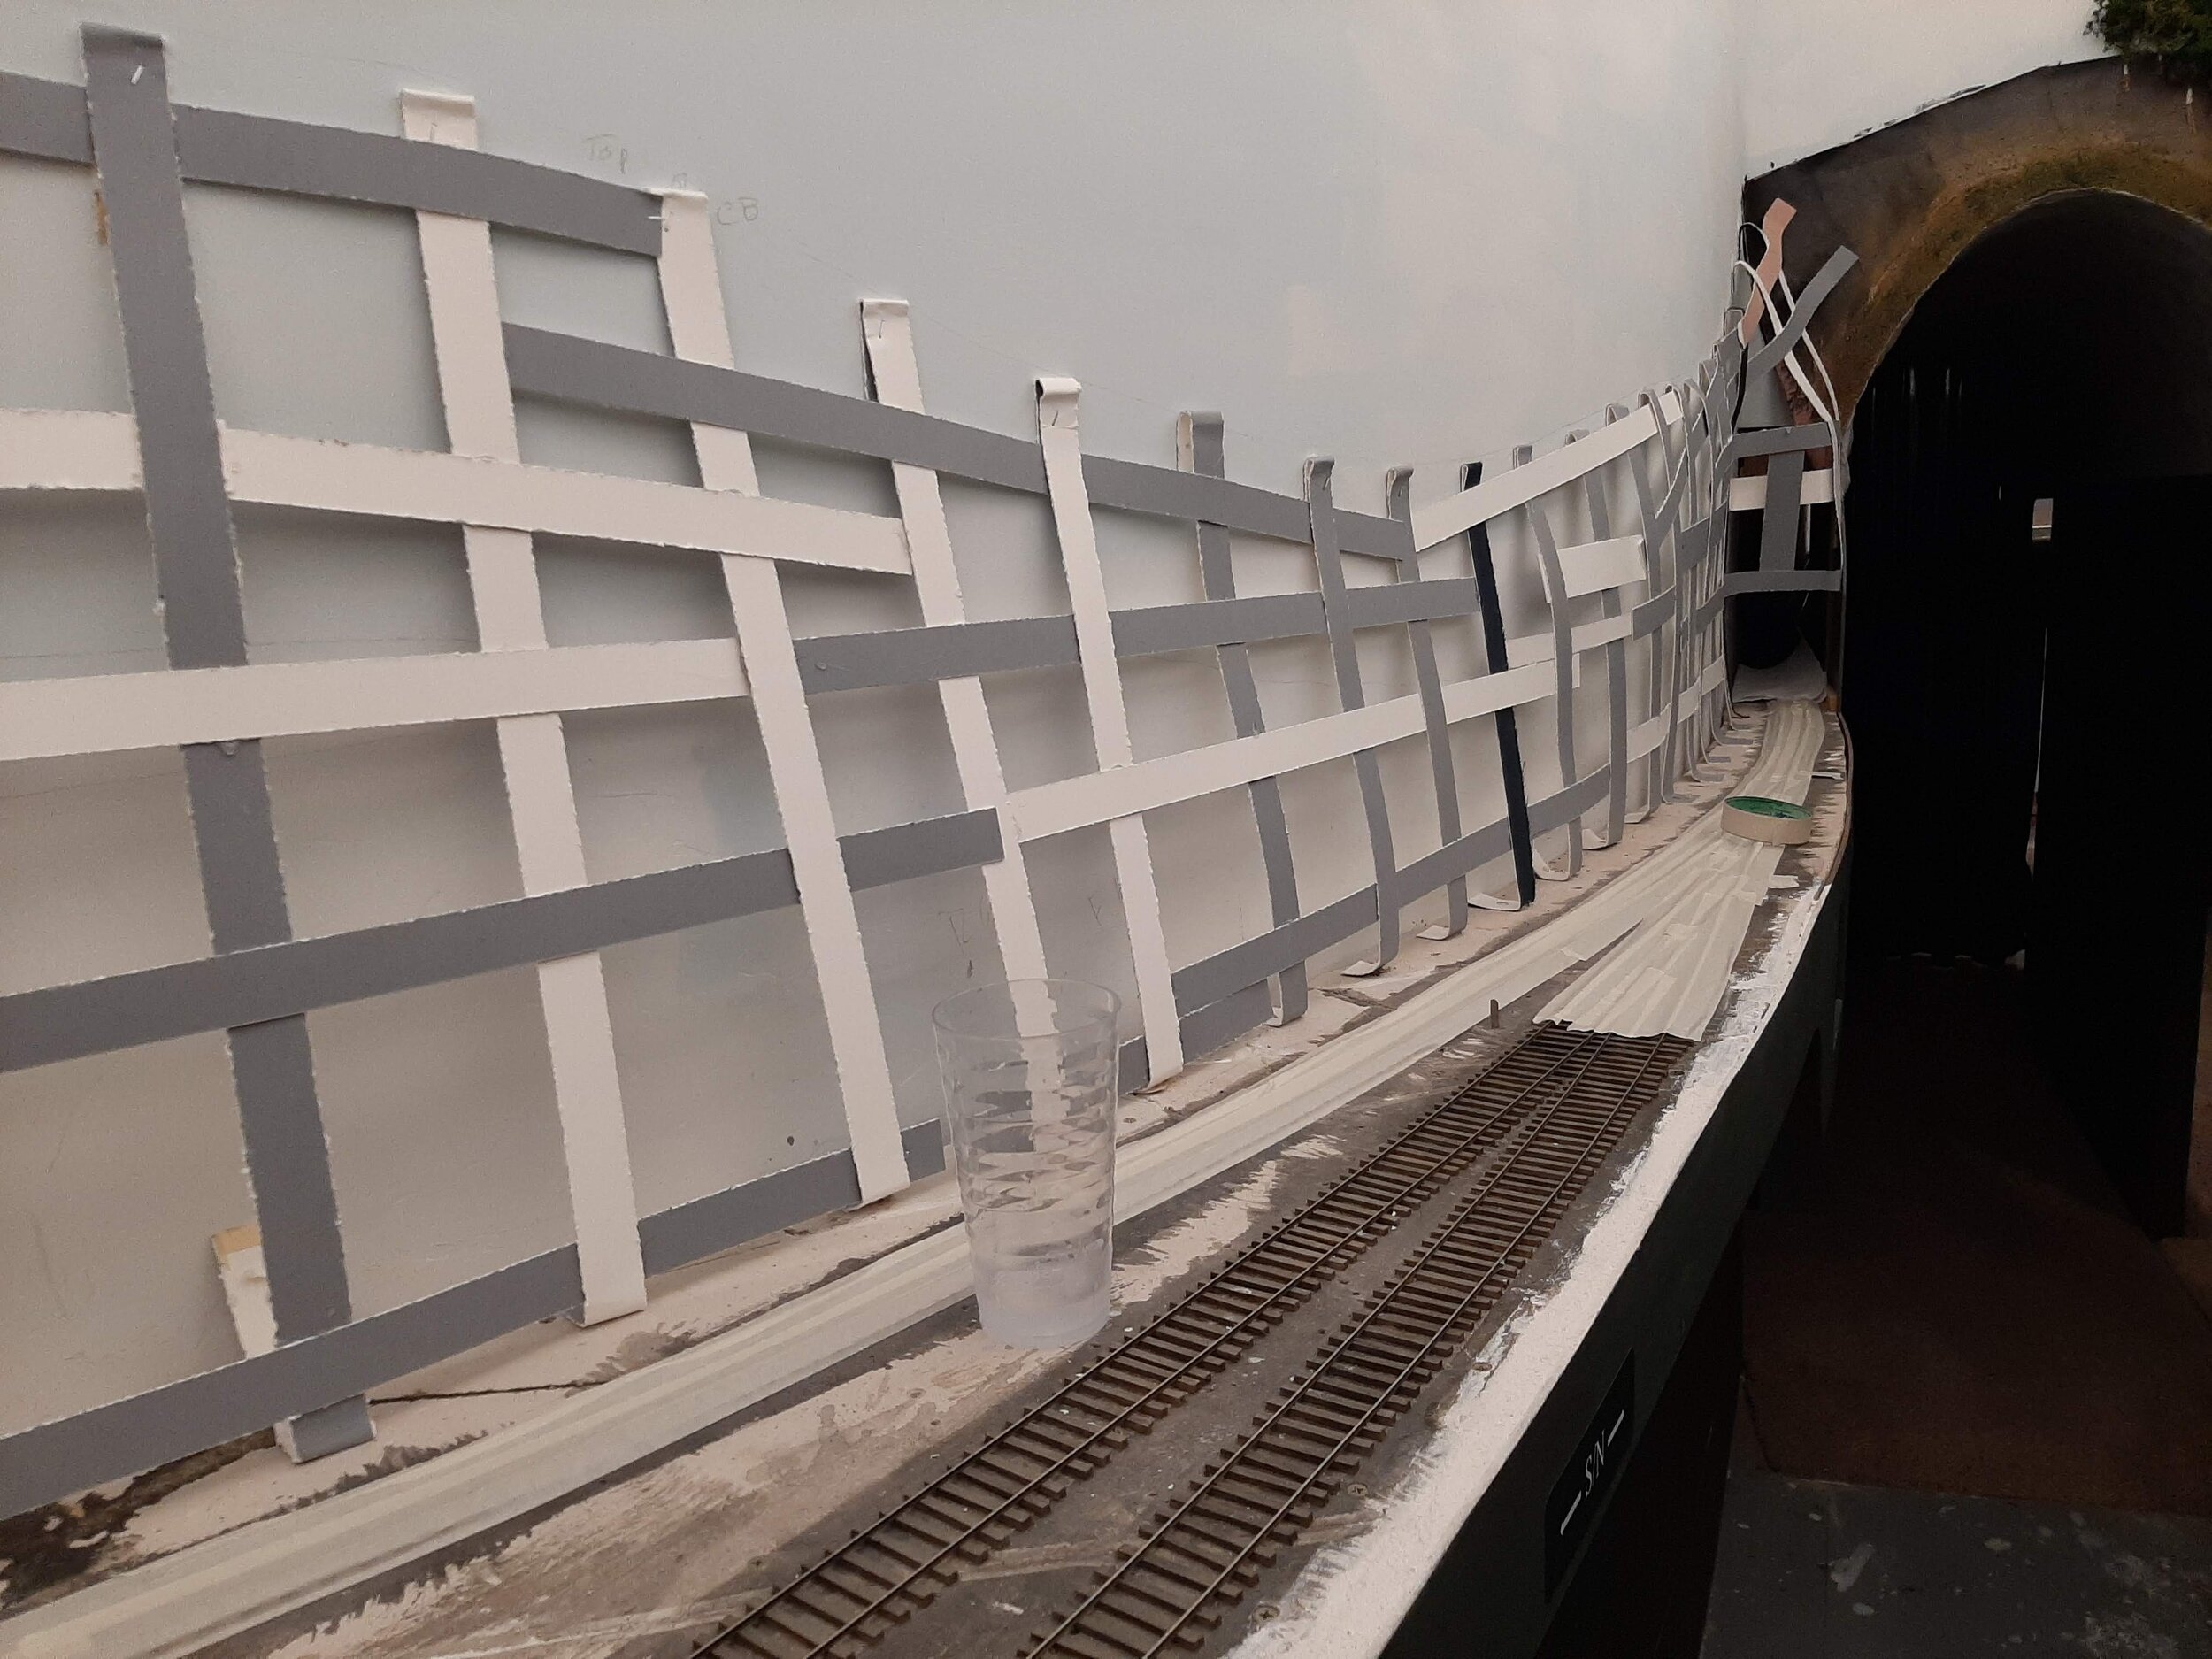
[[1562, 655], [1660, 554], [1398, 494], [1514, 780], [1328, 560], [1616, 661], [895, 377], [1200, 450], [480, 417], [1057, 431], [691, 290], [195, 561], [1778, 524]]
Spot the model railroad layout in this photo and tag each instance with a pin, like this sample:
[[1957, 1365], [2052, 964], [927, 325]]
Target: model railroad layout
[[1540, 1119]]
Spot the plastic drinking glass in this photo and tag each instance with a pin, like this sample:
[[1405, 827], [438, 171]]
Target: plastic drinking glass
[[1029, 1069]]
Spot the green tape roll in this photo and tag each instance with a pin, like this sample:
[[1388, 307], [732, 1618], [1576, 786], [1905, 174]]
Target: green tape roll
[[1762, 819]]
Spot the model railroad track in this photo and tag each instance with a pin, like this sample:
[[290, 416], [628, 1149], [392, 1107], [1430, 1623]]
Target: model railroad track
[[1198, 1556], [893, 1568]]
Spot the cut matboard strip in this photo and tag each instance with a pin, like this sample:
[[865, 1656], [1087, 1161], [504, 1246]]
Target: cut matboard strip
[[1398, 494], [503, 573], [1198, 447], [1061, 440], [202, 617], [1328, 560], [1495, 651], [1607, 569], [894, 375], [1563, 657], [691, 292]]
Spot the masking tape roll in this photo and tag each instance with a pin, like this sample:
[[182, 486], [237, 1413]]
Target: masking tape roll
[[1756, 818]]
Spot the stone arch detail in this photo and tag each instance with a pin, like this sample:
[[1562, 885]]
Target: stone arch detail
[[1910, 198]]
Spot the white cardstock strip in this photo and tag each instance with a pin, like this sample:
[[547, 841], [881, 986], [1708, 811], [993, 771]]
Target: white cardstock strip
[[1069, 803], [691, 290], [1592, 567], [1518, 486], [1748, 495], [456, 261], [96, 714], [70, 449], [1062, 444], [888, 334]]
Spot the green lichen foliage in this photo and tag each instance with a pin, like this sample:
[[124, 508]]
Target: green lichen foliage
[[2177, 32]]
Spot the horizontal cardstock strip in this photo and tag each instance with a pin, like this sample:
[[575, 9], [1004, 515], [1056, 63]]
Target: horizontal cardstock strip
[[567, 368], [269, 982], [1747, 495], [72, 450], [1593, 567], [47, 118], [1069, 803], [97, 714], [1517, 486]]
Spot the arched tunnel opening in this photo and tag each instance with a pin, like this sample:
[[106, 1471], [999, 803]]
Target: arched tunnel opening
[[2031, 782], [1969, 1274]]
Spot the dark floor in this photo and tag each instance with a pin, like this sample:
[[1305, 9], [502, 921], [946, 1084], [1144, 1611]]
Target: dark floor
[[1950, 1297], [1819, 1570], [1979, 1400]]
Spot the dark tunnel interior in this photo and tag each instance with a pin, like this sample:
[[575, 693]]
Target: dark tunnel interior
[[2028, 745]]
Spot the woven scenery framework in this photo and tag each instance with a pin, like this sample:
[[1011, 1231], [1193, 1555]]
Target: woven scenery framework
[[1661, 580]]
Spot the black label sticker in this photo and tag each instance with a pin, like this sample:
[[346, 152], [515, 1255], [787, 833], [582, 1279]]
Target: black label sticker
[[1579, 1492]]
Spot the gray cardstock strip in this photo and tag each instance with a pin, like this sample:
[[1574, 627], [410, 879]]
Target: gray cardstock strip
[[1777, 523], [1647, 618], [542, 364], [295, 1203], [1397, 489], [187, 513], [1651, 616], [568, 369], [1563, 663], [1769, 357], [1412, 600], [923, 656], [1222, 974], [202, 615], [1223, 1021], [1228, 971], [919, 657], [47, 118], [1497, 656], [98, 1015], [1567, 806], [1617, 716], [1344, 653], [1217, 574], [1451, 862], [1216, 622], [44, 118], [242, 882], [42, 1464], [705, 1226], [1782, 582], [1776, 440], [1616, 665], [53, 1459]]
